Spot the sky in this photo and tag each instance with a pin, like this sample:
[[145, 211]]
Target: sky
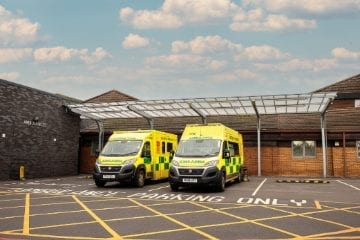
[[169, 49]]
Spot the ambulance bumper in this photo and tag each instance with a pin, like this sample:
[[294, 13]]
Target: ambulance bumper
[[125, 173], [210, 177]]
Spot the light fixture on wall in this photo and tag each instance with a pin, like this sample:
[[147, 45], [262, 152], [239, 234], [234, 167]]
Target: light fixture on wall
[[3, 135]]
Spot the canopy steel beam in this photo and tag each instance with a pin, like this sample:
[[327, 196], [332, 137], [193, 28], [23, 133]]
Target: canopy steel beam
[[203, 116], [143, 114]]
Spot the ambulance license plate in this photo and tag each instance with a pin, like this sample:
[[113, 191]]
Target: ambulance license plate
[[189, 180], [108, 176]]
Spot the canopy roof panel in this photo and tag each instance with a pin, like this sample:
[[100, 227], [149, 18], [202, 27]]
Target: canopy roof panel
[[194, 107]]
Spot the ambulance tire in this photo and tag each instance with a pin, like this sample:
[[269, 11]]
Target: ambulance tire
[[222, 182], [174, 187], [99, 183], [240, 178], [139, 180]]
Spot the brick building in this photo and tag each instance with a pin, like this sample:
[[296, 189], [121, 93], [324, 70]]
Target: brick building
[[40, 133], [291, 144], [37, 132]]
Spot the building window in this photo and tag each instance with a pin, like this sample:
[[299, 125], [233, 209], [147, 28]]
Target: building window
[[303, 148], [358, 148]]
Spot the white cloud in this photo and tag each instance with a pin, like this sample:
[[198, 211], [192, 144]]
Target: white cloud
[[202, 45], [11, 76], [233, 76], [345, 54], [56, 54], [145, 19], [258, 20], [184, 62], [299, 65], [63, 54], [135, 41], [94, 57], [14, 54], [176, 13], [317, 7], [264, 52], [15, 30]]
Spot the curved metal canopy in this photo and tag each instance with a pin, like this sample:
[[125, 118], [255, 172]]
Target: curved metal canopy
[[191, 107], [203, 107]]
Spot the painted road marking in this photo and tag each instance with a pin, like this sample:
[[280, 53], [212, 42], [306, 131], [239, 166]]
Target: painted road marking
[[99, 220], [174, 220], [332, 235], [258, 188], [26, 222], [348, 185], [248, 220], [209, 209], [154, 189]]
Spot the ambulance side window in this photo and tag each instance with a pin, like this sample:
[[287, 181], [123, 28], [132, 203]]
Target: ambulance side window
[[234, 149], [163, 150], [146, 150], [169, 147], [226, 152]]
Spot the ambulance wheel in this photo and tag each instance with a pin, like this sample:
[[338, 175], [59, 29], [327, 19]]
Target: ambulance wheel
[[241, 175], [139, 180], [174, 187], [222, 182], [99, 183]]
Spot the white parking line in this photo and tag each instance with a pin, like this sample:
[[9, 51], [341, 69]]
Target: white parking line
[[348, 185], [154, 189], [258, 188]]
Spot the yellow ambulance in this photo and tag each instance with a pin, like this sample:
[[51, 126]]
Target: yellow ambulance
[[208, 154], [134, 156]]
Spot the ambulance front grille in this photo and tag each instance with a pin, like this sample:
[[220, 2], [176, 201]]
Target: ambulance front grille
[[191, 171], [111, 169]]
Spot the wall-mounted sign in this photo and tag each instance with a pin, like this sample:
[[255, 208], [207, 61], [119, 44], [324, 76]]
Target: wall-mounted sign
[[357, 103], [35, 123]]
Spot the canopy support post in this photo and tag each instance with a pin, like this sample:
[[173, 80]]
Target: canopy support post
[[100, 125], [324, 137], [258, 127]]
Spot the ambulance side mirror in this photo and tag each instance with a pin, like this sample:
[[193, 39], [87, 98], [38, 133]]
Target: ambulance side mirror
[[226, 153], [146, 153], [97, 153]]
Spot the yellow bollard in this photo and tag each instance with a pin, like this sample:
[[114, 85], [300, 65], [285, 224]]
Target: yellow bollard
[[22, 172]]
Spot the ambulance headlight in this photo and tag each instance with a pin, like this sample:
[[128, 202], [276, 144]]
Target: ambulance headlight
[[129, 162], [212, 163], [174, 163], [97, 166]]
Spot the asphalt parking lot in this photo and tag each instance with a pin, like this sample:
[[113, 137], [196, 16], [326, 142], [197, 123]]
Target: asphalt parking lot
[[74, 208]]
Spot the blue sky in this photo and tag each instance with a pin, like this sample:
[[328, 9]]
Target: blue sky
[[179, 48]]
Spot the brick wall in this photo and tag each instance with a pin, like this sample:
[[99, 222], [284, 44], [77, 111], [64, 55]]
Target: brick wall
[[278, 161], [36, 131]]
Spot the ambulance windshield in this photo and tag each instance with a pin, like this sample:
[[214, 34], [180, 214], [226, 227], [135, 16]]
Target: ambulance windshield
[[198, 148], [121, 148]]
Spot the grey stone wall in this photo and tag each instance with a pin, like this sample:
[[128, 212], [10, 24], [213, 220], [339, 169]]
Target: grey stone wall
[[37, 132]]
